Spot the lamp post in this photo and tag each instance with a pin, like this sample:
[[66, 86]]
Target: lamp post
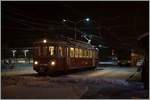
[[75, 24], [25, 53], [13, 54]]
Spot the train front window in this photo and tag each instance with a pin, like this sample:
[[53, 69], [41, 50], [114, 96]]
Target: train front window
[[40, 51]]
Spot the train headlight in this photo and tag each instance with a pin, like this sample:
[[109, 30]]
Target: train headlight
[[44, 41], [53, 63], [36, 62]]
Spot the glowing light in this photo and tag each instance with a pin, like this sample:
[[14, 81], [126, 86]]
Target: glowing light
[[64, 20], [13, 51], [87, 19], [71, 48], [21, 61], [25, 52], [97, 49], [44, 41], [53, 63], [36, 62]]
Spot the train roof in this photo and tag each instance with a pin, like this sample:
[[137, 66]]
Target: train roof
[[65, 42]]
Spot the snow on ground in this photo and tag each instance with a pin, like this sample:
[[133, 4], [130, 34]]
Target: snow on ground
[[17, 70], [28, 87], [34, 87], [22, 82]]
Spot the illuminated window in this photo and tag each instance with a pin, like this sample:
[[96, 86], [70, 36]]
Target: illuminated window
[[84, 53], [60, 51], [90, 53], [80, 53], [87, 54], [79, 50], [76, 52], [51, 50], [93, 54], [71, 52]]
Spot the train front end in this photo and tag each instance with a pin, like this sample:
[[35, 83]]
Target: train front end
[[44, 57]]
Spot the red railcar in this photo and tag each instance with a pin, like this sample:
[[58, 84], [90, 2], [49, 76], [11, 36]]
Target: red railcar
[[51, 56]]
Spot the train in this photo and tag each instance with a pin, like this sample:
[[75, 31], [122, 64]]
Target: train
[[50, 56]]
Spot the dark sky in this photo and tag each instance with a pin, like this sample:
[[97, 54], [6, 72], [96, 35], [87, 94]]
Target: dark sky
[[119, 23]]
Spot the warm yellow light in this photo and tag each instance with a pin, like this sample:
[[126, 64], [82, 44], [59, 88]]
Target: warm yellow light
[[36, 62], [71, 48], [44, 41], [53, 63]]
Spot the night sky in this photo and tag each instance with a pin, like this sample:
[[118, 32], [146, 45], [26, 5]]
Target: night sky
[[118, 24]]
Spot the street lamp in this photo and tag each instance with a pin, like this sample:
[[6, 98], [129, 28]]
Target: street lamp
[[14, 52], [75, 24], [87, 19], [25, 52], [88, 39], [64, 20]]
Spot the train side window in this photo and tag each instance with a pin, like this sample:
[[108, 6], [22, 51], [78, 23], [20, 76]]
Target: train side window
[[80, 53], [76, 52], [71, 52], [87, 54], [60, 51], [51, 50], [84, 53], [93, 54], [90, 53]]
